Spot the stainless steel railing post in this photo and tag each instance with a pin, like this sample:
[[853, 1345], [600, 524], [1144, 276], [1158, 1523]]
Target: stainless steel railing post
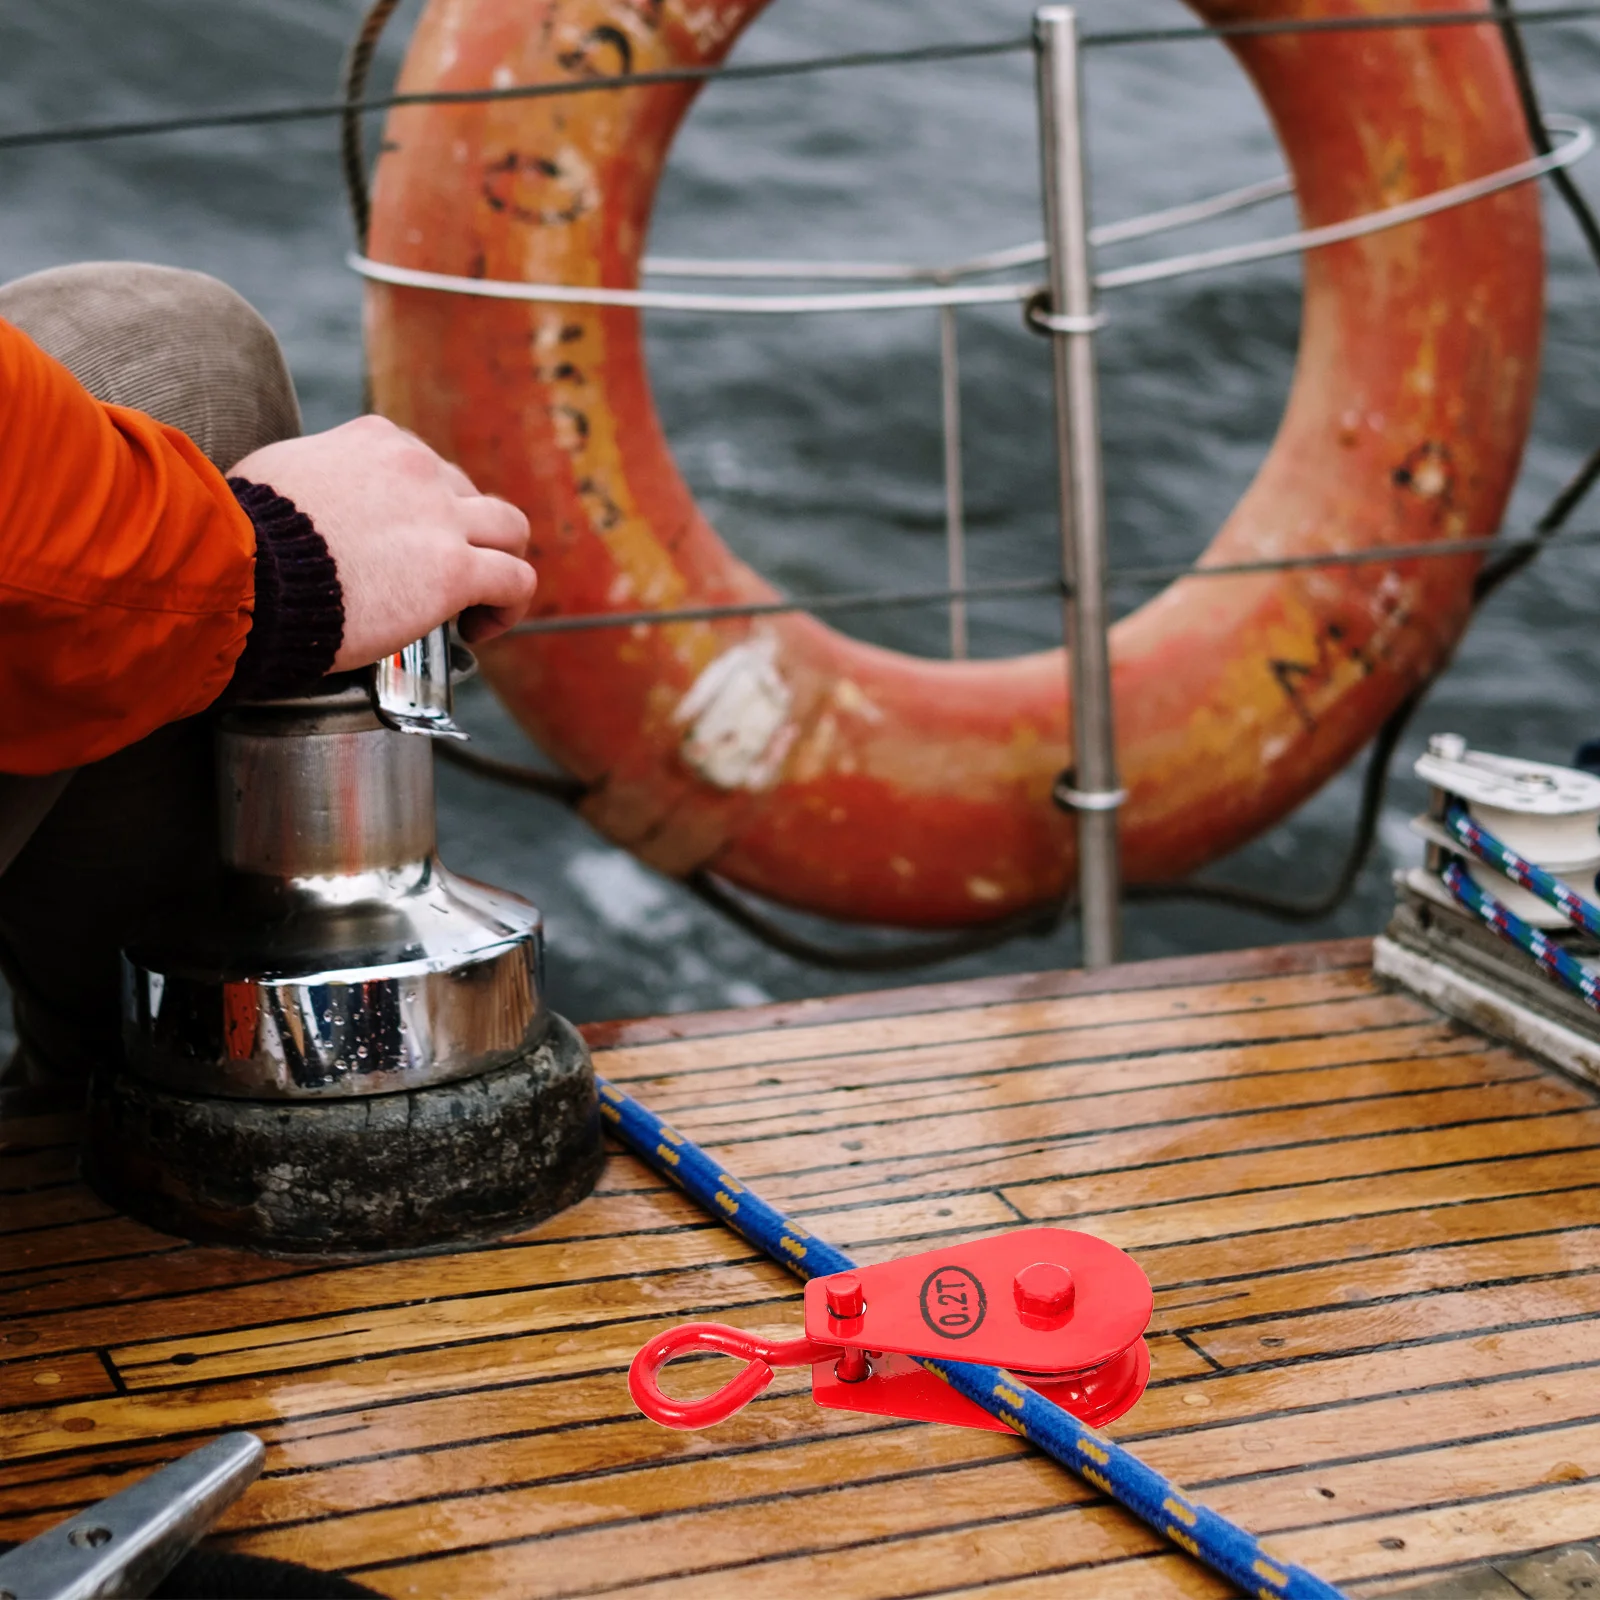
[[1091, 789], [955, 514]]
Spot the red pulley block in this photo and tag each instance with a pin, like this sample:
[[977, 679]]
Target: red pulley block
[[1063, 1312]]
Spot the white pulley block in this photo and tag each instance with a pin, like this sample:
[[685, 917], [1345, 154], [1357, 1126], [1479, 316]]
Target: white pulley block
[[1549, 815]]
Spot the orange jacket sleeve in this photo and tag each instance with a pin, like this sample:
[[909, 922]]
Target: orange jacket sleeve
[[126, 570]]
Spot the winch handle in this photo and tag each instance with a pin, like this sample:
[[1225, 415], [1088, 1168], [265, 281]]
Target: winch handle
[[411, 689], [714, 1338]]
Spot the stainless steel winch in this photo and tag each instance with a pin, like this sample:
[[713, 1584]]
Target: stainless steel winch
[[345, 976]]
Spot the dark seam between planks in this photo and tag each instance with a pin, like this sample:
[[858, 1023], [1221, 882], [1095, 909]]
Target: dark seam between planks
[[799, 1553], [518, 1435], [200, 1381], [90, 1261], [1372, 1255], [844, 1440], [92, 1469], [55, 1227], [1197, 1241], [1382, 1347], [1246, 966], [635, 1072], [93, 1217], [746, 1255], [1283, 1413], [1441, 1386], [701, 1224], [1255, 1109], [245, 1349], [276, 1423], [1210, 1360], [938, 1080], [1044, 1145], [1527, 1073], [867, 1170], [899, 1475], [1312, 1144], [1321, 1183], [707, 1226], [1005, 1453], [1494, 1497], [1335, 1463], [750, 1023], [1330, 1307]]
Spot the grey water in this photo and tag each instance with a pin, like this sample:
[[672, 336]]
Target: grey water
[[815, 444]]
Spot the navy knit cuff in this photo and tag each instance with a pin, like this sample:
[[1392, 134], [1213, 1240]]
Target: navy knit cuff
[[299, 610]]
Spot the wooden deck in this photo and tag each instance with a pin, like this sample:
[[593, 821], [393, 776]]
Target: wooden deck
[[1374, 1236]]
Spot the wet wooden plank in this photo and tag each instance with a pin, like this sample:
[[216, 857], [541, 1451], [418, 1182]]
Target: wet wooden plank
[[1114, 1057], [1166, 1088], [1375, 1239], [60, 1206], [26, 1383], [1245, 1008], [40, 1250], [1169, 972]]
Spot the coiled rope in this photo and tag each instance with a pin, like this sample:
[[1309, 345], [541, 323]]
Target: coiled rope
[[1197, 1530], [1476, 840]]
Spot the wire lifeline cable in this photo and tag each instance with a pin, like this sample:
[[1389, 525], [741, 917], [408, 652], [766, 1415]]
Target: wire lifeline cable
[[1053, 587], [725, 900], [81, 133], [1379, 22], [1199, 1531], [945, 293], [1041, 922], [722, 898]]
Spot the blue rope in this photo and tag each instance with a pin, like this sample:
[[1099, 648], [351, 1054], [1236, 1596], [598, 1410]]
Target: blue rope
[[1500, 919], [1478, 841], [1201, 1532]]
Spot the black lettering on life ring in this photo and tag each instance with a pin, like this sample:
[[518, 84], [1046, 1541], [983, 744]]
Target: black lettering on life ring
[[1302, 681], [534, 189], [604, 38]]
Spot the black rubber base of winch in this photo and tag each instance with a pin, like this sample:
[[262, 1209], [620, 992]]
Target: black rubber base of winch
[[371, 1174]]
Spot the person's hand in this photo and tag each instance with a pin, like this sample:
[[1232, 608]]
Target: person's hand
[[414, 541]]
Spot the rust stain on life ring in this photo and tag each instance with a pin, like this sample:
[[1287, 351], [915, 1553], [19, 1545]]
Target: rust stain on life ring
[[866, 784]]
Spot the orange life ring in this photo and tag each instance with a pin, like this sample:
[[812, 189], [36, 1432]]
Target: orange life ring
[[865, 784]]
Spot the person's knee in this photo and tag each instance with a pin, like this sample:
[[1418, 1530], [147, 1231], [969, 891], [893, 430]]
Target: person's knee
[[181, 346], [84, 858]]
